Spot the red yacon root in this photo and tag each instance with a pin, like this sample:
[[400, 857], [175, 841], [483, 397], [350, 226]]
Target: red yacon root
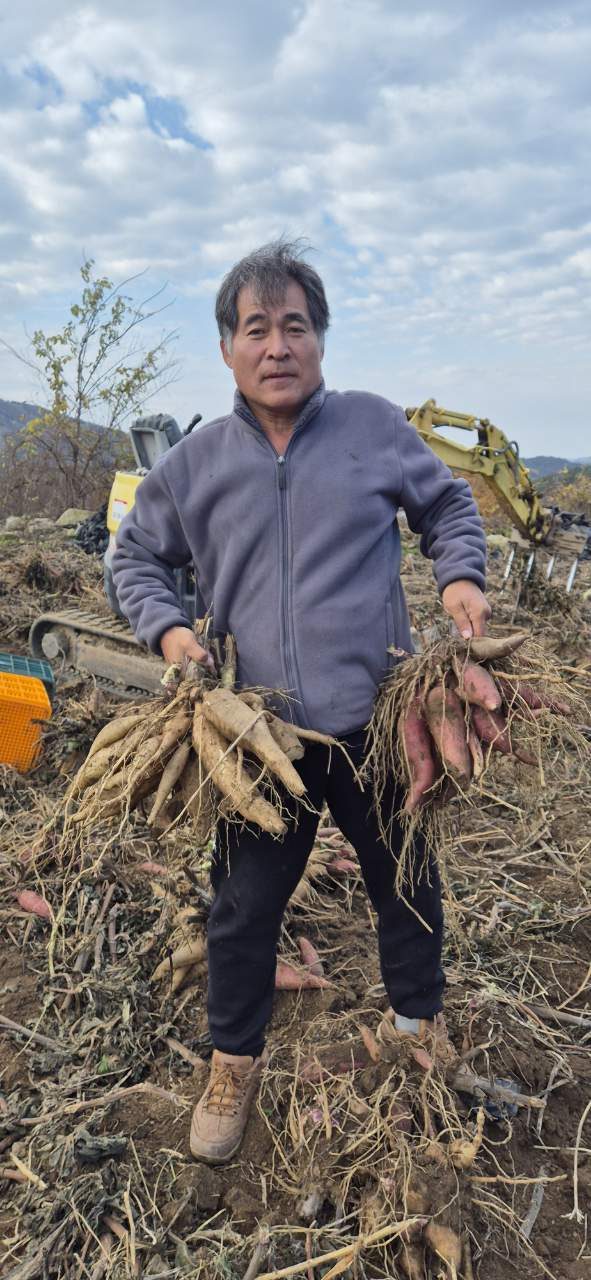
[[34, 903], [445, 717], [343, 864], [310, 957], [488, 648], [288, 978], [477, 686], [417, 749], [492, 729], [514, 688]]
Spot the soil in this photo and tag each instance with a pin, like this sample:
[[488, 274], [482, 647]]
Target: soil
[[331, 1150]]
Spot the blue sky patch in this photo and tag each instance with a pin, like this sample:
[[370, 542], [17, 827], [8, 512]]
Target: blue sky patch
[[166, 116], [46, 80]]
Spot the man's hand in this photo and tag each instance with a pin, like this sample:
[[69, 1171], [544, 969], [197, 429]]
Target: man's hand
[[468, 606], [179, 645]]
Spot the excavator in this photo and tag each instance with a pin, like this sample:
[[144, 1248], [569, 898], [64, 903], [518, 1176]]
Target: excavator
[[106, 647], [496, 459]]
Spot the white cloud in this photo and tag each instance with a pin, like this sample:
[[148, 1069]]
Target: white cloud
[[581, 261], [437, 160]]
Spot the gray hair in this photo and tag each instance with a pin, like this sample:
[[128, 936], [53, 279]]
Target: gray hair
[[269, 270]]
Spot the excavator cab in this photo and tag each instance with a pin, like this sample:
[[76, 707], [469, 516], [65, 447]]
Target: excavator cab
[[151, 438]]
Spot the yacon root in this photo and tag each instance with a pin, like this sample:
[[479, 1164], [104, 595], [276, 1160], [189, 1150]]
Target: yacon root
[[442, 715], [210, 753]]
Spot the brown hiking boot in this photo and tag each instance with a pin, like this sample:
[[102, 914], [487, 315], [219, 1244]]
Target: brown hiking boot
[[220, 1117], [431, 1036]]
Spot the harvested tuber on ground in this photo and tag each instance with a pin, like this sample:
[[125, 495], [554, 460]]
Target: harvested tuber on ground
[[33, 903]]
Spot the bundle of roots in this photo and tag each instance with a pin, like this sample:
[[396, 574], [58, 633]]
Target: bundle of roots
[[210, 752], [441, 716]]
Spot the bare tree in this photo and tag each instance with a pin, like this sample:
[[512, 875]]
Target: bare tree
[[95, 369]]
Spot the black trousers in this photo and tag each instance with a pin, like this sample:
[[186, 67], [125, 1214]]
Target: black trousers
[[253, 876]]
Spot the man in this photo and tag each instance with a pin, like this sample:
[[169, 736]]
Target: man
[[287, 507]]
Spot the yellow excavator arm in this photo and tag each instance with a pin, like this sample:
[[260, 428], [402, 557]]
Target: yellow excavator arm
[[496, 459]]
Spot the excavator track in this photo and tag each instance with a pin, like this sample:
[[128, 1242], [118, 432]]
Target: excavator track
[[98, 646]]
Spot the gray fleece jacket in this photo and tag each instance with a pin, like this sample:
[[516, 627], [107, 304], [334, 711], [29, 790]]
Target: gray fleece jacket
[[299, 555]]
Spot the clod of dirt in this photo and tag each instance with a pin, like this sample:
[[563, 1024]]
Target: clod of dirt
[[418, 1197], [204, 1185], [177, 1212], [247, 1211], [90, 1150]]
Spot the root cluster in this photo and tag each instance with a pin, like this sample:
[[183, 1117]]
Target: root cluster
[[443, 714], [208, 753]]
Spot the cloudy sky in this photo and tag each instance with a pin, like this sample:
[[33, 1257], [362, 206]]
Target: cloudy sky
[[436, 156]]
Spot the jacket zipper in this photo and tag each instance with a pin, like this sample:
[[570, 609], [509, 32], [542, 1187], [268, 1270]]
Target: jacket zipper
[[292, 680]]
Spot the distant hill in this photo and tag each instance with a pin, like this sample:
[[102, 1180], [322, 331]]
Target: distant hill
[[38, 482], [546, 465], [15, 414]]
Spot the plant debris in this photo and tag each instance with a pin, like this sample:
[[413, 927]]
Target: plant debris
[[364, 1157]]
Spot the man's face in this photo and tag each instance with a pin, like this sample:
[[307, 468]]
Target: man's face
[[275, 354]]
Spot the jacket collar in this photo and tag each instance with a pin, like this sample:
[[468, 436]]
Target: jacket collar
[[310, 408]]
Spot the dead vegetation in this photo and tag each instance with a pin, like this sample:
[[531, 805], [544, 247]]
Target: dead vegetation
[[43, 573], [365, 1158]]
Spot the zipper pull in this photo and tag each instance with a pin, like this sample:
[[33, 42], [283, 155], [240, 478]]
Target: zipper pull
[[281, 471]]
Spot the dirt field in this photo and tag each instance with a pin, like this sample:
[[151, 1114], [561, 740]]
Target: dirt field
[[95, 1097]]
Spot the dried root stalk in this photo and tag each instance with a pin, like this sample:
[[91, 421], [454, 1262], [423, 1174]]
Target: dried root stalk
[[211, 752]]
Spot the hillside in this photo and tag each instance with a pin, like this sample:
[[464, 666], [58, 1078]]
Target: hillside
[[58, 472], [546, 465], [15, 414]]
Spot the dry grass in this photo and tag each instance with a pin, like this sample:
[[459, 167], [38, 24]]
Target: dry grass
[[41, 574]]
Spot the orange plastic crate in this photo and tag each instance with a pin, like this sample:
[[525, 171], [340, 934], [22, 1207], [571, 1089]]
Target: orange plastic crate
[[23, 702]]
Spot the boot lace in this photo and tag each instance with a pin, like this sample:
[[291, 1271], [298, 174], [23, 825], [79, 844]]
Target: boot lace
[[226, 1092]]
